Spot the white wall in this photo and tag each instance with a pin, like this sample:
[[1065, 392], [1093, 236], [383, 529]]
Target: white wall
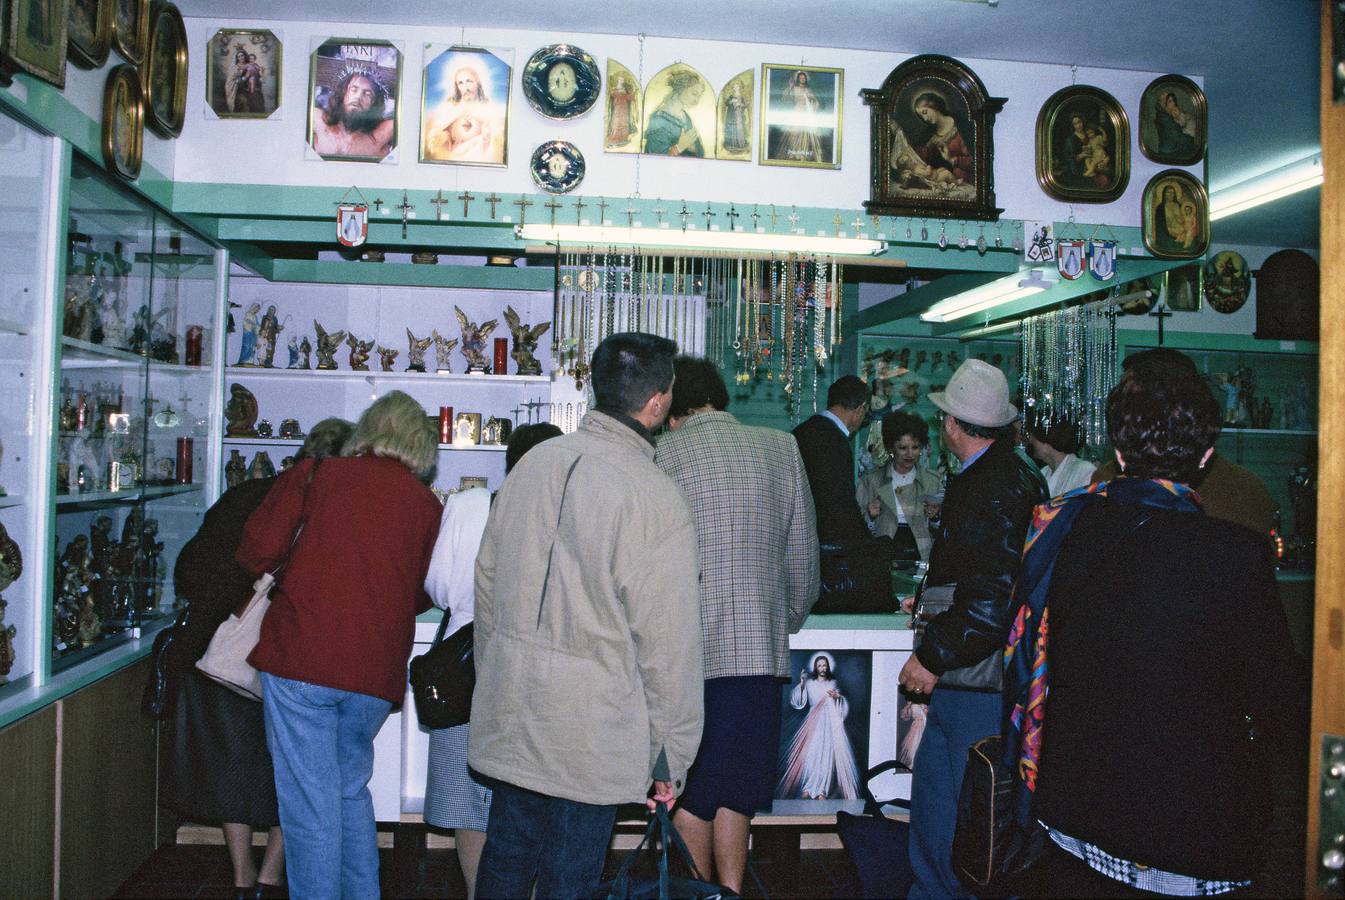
[[272, 151]]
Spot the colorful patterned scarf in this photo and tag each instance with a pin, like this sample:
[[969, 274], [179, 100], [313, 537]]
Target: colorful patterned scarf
[[1026, 674]]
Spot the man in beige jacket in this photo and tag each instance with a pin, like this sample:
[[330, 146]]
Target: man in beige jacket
[[588, 635]]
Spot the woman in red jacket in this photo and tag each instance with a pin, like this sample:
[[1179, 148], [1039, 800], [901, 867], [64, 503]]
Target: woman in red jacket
[[336, 639]]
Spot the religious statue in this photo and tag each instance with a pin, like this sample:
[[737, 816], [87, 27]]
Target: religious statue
[[241, 412], [359, 353], [247, 352], [112, 313], [305, 349], [415, 351], [89, 625], [474, 341], [261, 466], [235, 470], [77, 317], [11, 560], [327, 346], [294, 352], [69, 601], [443, 351], [267, 332], [525, 342], [387, 356], [7, 633]]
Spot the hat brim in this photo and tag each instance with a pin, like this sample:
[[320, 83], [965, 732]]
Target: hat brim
[[1007, 415]]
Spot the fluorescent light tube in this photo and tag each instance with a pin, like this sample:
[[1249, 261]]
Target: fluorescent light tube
[[614, 235], [1264, 188]]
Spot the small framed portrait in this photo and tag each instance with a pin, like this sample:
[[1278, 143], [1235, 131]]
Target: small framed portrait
[[557, 167], [561, 81], [679, 114], [33, 38], [467, 482], [89, 32], [1139, 295], [130, 29], [1181, 288], [801, 108], [1083, 146], [467, 428], [1176, 210], [1228, 281], [734, 138], [1173, 118], [931, 138], [123, 122], [166, 71], [621, 117], [464, 106], [824, 733], [243, 72], [354, 86]]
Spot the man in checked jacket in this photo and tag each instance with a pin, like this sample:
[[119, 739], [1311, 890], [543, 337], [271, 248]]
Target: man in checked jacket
[[756, 534]]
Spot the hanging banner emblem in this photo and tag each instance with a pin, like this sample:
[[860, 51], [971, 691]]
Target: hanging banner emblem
[[1069, 257], [1102, 259], [352, 224]]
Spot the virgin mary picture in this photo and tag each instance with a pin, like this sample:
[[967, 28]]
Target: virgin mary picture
[[825, 728]]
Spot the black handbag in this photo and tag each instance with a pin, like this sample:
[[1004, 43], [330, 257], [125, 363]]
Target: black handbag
[[161, 684], [876, 844], [986, 675], [990, 850], [629, 884], [443, 677]]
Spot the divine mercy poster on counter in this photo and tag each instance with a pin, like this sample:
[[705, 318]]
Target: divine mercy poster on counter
[[824, 726]]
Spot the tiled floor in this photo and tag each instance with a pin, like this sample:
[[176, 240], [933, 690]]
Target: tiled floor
[[193, 870]]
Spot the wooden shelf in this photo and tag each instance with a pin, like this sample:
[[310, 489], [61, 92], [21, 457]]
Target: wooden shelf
[[371, 376]]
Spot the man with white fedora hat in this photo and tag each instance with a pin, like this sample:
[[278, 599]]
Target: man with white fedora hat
[[977, 548]]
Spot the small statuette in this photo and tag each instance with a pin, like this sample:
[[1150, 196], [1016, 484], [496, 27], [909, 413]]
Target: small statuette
[[359, 353], [240, 412], [261, 466], [328, 344], [247, 353], [525, 342], [267, 332], [415, 351], [443, 352], [387, 357], [263, 429], [235, 470], [474, 341], [290, 430]]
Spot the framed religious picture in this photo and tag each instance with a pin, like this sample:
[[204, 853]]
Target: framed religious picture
[[34, 38], [1288, 298], [1175, 215], [561, 81], [801, 110], [89, 32], [464, 106], [734, 138], [1173, 119], [130, 29], [1181, 288], [123, 122], [467, 428], [1083, 146], [931, 139], [621, 116], [824, 733], [354, 86], [557, 167], [1138, 296], [679, 114], [1228, 281], [242, 74], [166, 71], [467, 482]]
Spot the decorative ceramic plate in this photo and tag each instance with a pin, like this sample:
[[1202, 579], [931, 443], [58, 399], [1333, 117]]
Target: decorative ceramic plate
[[557, 167], [561, 81], [1227, 281]]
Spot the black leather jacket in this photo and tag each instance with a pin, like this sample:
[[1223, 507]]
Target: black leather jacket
[[978, 545]]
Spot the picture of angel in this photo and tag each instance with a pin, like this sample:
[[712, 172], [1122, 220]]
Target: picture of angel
[[824, 726], [464, 112], [735, 117], [621, 123]]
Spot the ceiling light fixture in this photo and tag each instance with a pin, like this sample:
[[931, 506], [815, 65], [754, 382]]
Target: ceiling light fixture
[[1272, 185], [987, 296], [616, 236]]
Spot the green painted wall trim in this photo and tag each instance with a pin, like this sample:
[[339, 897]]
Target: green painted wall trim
[[503, 278], [1133, 339]]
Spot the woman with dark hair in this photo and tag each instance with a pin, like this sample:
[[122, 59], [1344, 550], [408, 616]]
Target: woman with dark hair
[[900, 498], [1137, 741], [1055, 446]]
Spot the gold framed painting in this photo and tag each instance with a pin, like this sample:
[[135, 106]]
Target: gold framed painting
[[801, 116], [1083, 146], [734, 138], [1182, 288], [123, 122], [621, 116], [166, 71], [464, 105], [130, 29], [243, 72], [1176, 215], [679, 114], [34, 39], [1173, 121], [89, 32], [354, 88]]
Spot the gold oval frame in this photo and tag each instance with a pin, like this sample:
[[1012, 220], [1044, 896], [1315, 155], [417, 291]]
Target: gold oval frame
[[123, 74], [132, 47], [1201, 108], [1047, 118], [1146, 214], [94, 56], [154, 77]]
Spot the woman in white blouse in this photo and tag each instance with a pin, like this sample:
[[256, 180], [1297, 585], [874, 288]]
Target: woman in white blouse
[[900, 498], [1054, 447]]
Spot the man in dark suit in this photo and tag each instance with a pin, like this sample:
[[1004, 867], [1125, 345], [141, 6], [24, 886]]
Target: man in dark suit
[[856, 566]]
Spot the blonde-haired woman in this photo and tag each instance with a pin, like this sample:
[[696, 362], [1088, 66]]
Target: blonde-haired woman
[[335, 641]]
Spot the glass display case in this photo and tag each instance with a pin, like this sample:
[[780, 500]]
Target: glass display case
[[136, 383]]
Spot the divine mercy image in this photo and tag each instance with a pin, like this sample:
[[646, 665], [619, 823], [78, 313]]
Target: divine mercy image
[[824, 733]]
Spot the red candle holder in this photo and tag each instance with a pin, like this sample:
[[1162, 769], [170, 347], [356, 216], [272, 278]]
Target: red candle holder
[[501, 356], [195, 334], [445, 424], [184, 460]]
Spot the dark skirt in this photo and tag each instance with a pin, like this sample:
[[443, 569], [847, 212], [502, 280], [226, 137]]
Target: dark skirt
[[735, 767], [218, 768]]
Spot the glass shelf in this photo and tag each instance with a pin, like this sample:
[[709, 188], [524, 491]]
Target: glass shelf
[[130, 495], [346, 374], [287, 442], [9, 500], [1283, 432]]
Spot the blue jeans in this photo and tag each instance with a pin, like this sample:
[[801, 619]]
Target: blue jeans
[[322, 744], [561, 843], [957, 719]]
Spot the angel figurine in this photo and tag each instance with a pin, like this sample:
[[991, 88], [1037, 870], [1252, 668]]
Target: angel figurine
[[328, 344], [359, 353], [415, 351], [443, 351], [525, 342], [474, 341], [387, 356]]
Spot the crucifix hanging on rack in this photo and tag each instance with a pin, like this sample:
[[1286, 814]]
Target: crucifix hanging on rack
[[579, 205], [732, 216], [630, 212], [794, 219], [439, 200], [660, 212], [708, 216], [756, 218], [553, 204], [523, 203], [602, 210], [405, 206], [493, 199], [466, 197], [685, 215]]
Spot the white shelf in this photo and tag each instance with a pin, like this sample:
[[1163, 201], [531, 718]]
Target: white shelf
[[130, 495], [77, 354], [475, 448], [347, 375], [10, 326], [1276, 431], [284, 442], [9, 500]]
